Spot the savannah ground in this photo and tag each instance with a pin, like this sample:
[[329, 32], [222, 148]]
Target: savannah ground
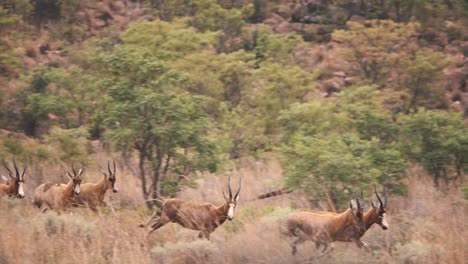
[[427, 226]]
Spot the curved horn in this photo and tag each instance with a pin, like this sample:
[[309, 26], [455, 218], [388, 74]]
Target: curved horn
[[108, 168], [73, 169], [378, 197], [10, 173], [358, 202], [238, 190], [385, 196], [16, 168], [114, 166], [229, 186], [24, 170]]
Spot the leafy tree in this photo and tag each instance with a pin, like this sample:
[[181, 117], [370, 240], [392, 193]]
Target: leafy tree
[[374, 47], [364, 108], [324, 154], [422, 76], [78, 90], [168, 41], [169, 130], [277, 88], [383, 53], [230, 22], [437, 140], [274, 47], [40, 101]]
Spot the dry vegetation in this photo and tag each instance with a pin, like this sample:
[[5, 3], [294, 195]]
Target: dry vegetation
[[428, 226]]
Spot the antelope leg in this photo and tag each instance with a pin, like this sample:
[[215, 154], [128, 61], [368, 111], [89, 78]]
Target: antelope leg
[[161, 221], [153, 216]]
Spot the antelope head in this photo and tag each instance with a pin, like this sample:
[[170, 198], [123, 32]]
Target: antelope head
[[231, 201], [76, 179], [381, 210], [359, 214], [110, 178], [16, 180]]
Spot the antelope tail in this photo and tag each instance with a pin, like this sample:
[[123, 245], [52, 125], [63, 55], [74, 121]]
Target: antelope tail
[[274, 193]]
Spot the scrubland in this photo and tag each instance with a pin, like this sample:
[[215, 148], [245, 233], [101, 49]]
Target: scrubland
[[427, 226]]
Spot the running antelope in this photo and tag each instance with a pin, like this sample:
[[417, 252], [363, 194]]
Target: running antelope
[[324, 228], [92, 194], [13, 186], [375, 215], [196, 216], [58, 196]]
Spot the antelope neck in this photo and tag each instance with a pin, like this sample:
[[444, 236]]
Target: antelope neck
[[369, 217], [69, 188], [102, 185], [223, 209], [341, 220]]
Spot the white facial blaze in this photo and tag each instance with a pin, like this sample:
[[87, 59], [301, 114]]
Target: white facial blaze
[[20, 190], [384, 220], [231, 211], [77, 188]]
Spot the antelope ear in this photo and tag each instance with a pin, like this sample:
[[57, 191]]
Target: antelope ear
[[69, 175], [104, 174], [80, 172], [237, 197], [5, 179]]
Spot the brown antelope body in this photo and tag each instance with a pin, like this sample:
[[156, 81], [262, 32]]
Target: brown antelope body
[[375, 215], [324, 228], [58, 196], [92, 194], [203, 217], [13, 187]]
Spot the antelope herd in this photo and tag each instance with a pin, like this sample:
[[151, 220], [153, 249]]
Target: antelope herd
[[322, 228]]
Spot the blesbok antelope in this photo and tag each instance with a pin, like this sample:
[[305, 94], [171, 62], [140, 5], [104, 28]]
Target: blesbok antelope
[[324, 228], [58, 196], [92, 194], [13, 186], [196, 216], [375, 215]]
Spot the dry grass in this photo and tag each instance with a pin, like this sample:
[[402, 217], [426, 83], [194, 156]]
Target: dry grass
[[428, 226]]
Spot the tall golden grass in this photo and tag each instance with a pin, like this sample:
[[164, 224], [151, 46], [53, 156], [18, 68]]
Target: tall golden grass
[[427, 226]]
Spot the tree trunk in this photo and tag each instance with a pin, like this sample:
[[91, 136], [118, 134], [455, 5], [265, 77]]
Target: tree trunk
[[144, 191]]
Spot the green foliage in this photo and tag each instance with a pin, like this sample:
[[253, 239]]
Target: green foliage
[[337, 149], [274, 48], [422, 76], [144, 111], [312, 118], [436, 139], [6, 18], [70, 144], [168, 41], [386, 56], [277, 88], [375, 46], [366, 113], [14, 147], [10, 62]]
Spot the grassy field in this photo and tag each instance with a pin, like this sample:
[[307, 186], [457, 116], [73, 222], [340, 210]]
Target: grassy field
[[427, 226]]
